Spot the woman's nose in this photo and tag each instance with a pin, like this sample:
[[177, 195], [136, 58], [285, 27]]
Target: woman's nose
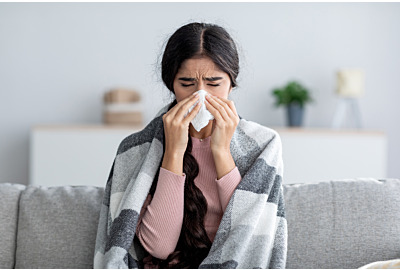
[[200, 86]]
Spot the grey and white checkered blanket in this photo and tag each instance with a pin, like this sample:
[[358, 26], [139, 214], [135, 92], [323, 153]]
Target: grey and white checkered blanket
[[253, 229]]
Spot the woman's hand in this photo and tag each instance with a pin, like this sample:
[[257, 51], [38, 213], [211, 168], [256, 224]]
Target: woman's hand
[[225, 123], [176, 130]]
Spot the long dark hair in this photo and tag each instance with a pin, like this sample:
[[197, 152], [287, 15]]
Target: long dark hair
[[194, 39]]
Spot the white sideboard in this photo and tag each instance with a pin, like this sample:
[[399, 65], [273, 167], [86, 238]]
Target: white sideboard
[[74, 155], [314, 155], [83, 155]]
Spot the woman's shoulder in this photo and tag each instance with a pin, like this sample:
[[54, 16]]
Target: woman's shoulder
[[153, 130], [253, 141], [257, 131]]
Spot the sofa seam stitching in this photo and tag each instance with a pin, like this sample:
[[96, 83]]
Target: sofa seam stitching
[[17, 226]]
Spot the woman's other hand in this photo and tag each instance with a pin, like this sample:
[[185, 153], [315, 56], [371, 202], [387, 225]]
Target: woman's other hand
[[226, 121], [176, 130]]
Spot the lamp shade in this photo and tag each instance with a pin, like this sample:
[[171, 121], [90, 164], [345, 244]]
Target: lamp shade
[[350, 82]]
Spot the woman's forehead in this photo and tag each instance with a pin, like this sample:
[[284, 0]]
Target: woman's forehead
[[200, 68]]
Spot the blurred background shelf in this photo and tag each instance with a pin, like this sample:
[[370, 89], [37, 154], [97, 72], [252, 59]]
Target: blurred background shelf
[[83, 154]]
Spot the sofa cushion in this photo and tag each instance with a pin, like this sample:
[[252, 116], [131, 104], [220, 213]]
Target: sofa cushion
[[57, 226], [9, 197], [342, 223]]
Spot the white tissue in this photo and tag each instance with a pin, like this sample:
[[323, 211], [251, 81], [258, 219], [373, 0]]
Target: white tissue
[[203, 116]]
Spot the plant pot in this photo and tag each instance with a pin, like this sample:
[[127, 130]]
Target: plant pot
[[295, 114]]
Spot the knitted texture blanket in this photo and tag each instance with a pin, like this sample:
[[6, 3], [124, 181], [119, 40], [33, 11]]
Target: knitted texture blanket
[[253, 229]]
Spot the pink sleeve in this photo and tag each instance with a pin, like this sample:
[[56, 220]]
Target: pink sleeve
[[227, 185], [160, 222]]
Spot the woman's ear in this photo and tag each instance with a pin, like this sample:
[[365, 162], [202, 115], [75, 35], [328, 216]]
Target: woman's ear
[[230, 90]]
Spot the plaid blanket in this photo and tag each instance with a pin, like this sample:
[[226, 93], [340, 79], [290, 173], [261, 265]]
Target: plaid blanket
[[253, 229]]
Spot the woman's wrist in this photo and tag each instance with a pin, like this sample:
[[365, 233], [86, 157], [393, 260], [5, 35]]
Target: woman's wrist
[[224, 162], [173, 161], [221, 150]]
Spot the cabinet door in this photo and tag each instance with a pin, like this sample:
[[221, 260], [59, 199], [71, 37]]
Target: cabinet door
[[311, 157], [73, 156]]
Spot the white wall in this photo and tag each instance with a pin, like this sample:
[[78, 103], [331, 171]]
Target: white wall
[[57, 60]]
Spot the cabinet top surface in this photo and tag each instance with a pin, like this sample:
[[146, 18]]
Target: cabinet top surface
[[77, 127]]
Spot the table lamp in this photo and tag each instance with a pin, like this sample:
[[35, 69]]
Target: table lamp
[[350, 87]]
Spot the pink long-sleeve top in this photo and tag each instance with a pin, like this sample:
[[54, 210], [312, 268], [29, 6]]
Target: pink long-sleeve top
[[161, 218]]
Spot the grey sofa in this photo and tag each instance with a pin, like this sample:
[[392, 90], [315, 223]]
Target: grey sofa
[[333, 224]]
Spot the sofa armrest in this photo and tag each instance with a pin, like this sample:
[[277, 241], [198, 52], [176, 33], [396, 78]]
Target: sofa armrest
[[9, 199]]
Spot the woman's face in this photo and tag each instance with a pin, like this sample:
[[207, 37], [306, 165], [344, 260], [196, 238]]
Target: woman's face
[[201, 73]]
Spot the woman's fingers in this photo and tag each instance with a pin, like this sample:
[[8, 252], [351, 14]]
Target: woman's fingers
[[230, 104], [192, 114], [220, 106], [183, 105]]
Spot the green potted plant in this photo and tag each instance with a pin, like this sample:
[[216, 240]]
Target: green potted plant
[[294, 96]]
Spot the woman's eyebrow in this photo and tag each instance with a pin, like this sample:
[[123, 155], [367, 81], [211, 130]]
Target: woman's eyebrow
[[211, 79], [187, 79]]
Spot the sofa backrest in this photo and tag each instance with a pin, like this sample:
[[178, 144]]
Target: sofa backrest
[[336, 224], [343, 223], [57, 226]]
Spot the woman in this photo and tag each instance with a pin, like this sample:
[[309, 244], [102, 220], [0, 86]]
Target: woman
[[187, 217], [186, 68]]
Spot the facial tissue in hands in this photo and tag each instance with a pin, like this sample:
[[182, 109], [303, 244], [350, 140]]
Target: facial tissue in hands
[[203, 116]]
